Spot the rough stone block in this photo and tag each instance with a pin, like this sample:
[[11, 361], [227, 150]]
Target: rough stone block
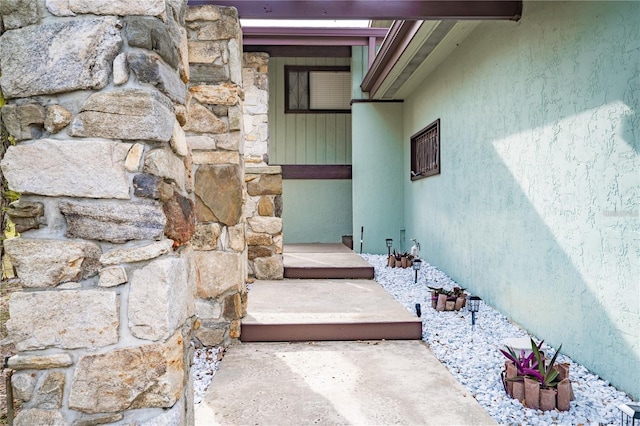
[[118, 7], [23, 385], [230, 141], [211, 335], [59, 8], [153, 34], [137, 377], [219, 188], [23, 121], [227, 27], [112, 276], [203, 13], [164, 163], [268, 268], [137, 254], [26, 215], [56, 118], [232, 307], [236, 241], [19, 13], [181, 219], [158, 298], [130, 114], [265, 185], [202, 142], [132, 162], [68, 319], [265, 207], [103, 419], [40, 362], [208, 310], [50, 393], [150, 186], [266, 225], [205, 236], [235, 118], [277, 204], [204, 52], [38, 416], [254, 239], [221, 94], [87, 168], [183, 55], [120, 70], [58, 57], [255, 252], [201, 120], [209, 73], [218, 272], [114, 222], [149, 68], [47, 263], [179, 140]]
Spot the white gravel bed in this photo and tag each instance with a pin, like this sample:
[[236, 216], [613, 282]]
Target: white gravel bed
[[475, 361], [206, 362]]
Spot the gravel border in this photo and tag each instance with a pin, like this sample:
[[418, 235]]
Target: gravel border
[[474, 360]]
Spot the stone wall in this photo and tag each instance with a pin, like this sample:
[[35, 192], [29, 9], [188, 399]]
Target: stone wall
[[214, 135], [130, 226], [264, 182]]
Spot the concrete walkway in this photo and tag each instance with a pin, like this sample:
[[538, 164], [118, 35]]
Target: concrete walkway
[[336, 383], [270, 380]]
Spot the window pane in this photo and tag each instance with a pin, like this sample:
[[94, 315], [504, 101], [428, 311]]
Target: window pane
[[330, 90], [298, 90]]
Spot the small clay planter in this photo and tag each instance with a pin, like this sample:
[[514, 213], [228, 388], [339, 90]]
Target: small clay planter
[[564, 395], [512, 372], [548, 399], [531, 393], [442, 302], [518, 391]]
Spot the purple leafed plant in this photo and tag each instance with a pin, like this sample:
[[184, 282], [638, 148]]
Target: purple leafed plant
[[534, 365]]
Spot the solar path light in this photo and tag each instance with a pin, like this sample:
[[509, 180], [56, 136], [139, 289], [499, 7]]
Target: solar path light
[[473, 306]]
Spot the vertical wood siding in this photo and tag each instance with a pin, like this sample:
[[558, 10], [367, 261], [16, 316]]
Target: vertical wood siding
[[305, 138]]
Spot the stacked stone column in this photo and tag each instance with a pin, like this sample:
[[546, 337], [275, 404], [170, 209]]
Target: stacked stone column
[[214, 135], [264, 182], [97, 103]]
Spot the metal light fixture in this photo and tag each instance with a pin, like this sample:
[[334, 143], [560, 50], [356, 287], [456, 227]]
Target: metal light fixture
[[417, 263], [473, 306], [630, 414], [389, 242]]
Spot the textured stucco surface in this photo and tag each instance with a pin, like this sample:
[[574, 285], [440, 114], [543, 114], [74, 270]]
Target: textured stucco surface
[[377, 175], [316, 211], [536, 209]]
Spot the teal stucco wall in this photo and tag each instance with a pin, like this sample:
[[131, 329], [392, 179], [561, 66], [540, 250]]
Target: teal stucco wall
[[378, 190], [322, 212], [537, 205]]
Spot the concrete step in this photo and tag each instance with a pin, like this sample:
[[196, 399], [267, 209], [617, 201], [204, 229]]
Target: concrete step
[[306, 310], [324, 261]]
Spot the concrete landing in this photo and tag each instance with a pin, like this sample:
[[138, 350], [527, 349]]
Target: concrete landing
[[324, 261], [302, 310], [330, 383]]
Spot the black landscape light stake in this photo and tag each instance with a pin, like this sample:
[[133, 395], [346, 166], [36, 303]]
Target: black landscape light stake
[[630, 414], [417, 263], [473, 306], [389, 242]]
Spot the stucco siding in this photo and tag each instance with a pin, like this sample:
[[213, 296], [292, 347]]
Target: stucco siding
[[537, 205]]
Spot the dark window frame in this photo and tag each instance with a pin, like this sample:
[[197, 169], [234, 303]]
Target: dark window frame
[[425, 152], [307, 68]]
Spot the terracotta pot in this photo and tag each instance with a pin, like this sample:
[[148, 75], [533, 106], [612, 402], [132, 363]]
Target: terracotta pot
[[450, 305], [518, 391], [404, 262], [459, 303], [531, 393], [434, 299], [442, 301], [564, 395], [391, 262], [548, 399], [512, 372], [563, 371]]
